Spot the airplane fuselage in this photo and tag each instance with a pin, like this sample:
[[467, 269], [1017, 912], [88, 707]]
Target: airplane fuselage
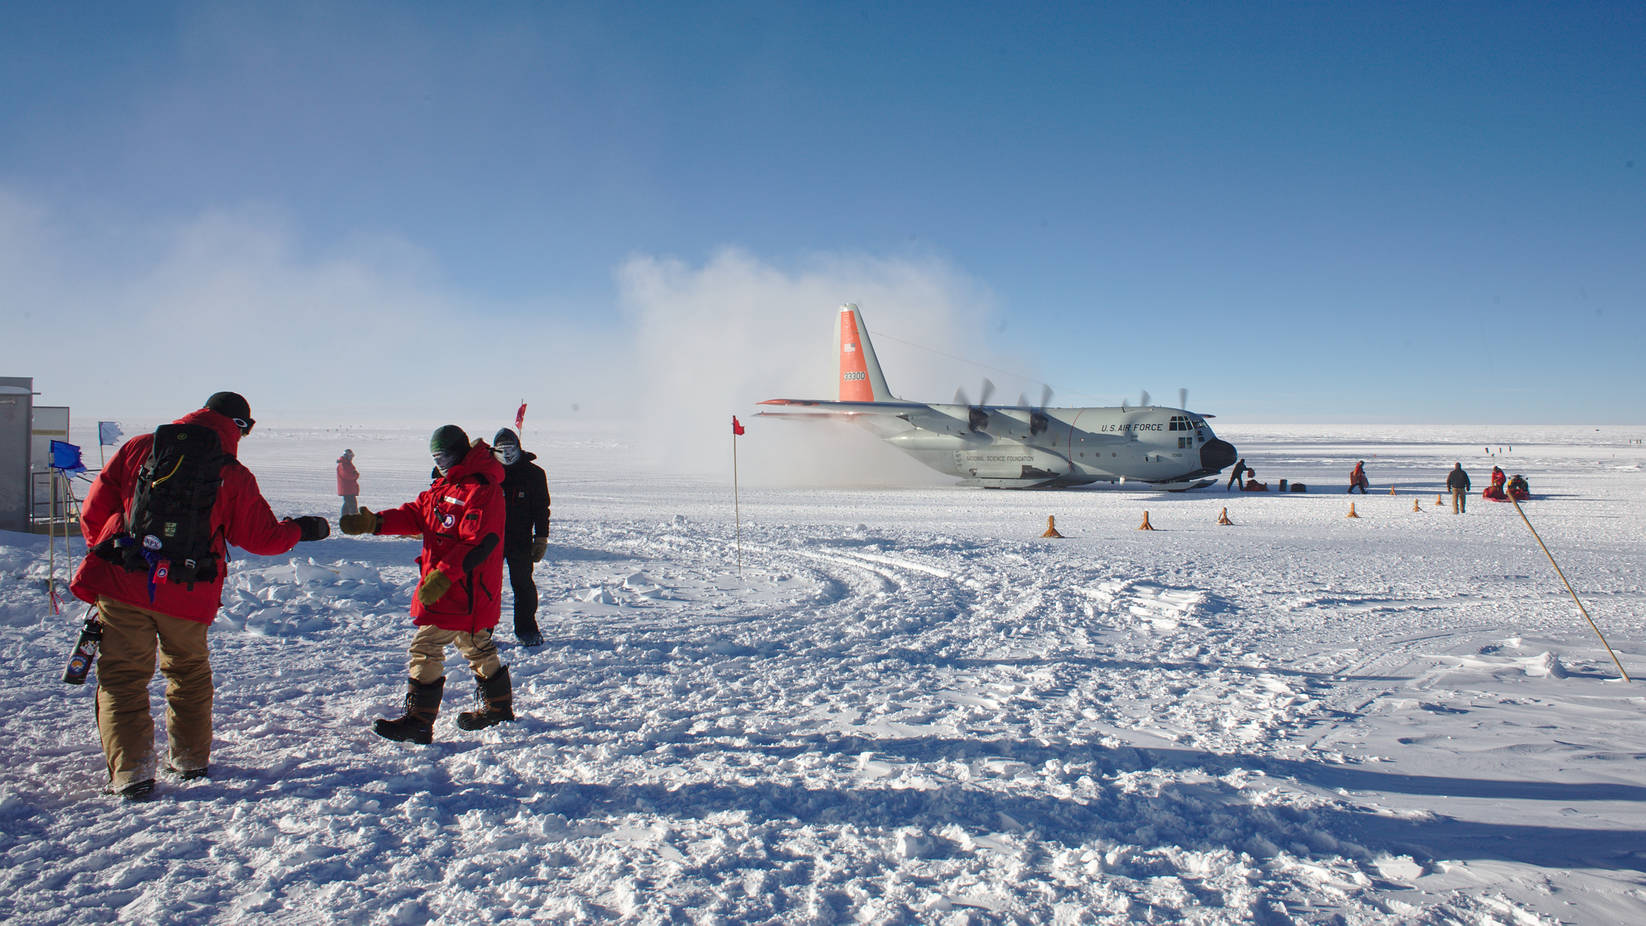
[[1013, 446]]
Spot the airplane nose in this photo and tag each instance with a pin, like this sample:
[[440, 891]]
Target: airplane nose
[[1215, 454]]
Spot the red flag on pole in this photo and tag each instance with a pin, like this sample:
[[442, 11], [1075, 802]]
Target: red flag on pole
[[520, 415], [737, 426]]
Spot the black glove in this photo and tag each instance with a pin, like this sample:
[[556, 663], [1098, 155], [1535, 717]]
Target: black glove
[[312, 526]]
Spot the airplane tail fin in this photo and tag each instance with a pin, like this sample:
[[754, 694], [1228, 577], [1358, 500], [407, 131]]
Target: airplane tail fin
[[860, 376]]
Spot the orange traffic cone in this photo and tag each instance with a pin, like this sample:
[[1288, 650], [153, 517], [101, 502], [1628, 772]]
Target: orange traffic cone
[[1224, 517], [1051, 527], [1416, 506], [1145, 526], [1391, 490], [1438, 502], [1351, 513]]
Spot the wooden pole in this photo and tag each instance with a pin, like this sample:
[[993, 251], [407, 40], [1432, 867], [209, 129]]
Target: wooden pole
[[1569, 588], [51, 545]]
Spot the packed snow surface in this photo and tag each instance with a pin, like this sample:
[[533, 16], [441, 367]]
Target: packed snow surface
[[894, 705]]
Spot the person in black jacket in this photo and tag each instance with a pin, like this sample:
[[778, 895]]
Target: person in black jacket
[[1238, 476], [526, 533], [1458, 481]]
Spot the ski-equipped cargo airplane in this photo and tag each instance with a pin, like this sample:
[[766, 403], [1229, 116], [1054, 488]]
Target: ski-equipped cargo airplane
[[1018, 446]]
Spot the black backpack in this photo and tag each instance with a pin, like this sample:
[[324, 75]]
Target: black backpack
[[168, 527]]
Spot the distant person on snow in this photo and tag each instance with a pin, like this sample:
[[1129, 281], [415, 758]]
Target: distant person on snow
[[1235, 477], [1357, 478], [161, 594], [460, 518], [1458, 482], [526, 536], [348, 482]]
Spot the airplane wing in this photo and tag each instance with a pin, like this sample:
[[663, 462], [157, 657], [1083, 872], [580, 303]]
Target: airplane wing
[[816, 407]]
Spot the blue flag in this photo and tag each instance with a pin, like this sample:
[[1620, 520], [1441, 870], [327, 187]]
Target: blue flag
[[108, 433], [66, 457]]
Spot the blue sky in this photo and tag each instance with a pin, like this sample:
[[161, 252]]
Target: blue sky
[[1298, 211]]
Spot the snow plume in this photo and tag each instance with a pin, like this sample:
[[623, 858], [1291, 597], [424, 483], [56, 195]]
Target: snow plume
[[713, 340], [151, 320]]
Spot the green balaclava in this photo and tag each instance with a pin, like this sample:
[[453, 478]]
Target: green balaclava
[[448, 444]]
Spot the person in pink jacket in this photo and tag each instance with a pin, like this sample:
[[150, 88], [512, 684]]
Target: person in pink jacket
[[348, 482], [461, 520]]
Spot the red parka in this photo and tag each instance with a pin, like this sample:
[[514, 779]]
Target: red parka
[[241, 515], [455, 516], [348, 478]]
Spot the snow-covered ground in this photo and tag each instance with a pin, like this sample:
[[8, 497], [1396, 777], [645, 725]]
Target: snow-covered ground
[[906, 706]]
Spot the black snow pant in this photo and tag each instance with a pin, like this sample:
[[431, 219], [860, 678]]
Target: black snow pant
[[519, 560]]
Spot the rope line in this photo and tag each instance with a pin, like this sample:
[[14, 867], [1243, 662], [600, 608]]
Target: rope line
[[1569, 589]]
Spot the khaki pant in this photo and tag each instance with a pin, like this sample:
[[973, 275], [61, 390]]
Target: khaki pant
[[125, 666], [1460, 501], [428, 653]]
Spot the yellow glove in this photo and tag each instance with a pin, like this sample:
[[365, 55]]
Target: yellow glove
[[539, 547], [435, 586], [366, 522]]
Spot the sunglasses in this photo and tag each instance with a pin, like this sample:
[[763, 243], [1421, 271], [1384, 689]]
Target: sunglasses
[[446, 459], [244, 424]]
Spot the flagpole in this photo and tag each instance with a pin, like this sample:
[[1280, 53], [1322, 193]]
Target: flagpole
[[737, 513]]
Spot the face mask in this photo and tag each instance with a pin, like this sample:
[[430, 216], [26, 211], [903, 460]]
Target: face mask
[[445, 460], [508, 454]]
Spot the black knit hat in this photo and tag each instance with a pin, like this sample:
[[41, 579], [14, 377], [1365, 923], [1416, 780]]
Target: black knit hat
[[448, 438], [231, 405], [506, 438]]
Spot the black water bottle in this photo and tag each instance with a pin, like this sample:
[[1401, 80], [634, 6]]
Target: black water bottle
[[85, 652]]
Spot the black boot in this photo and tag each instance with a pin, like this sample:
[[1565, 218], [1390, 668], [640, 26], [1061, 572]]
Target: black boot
[[493, 701], [137, 791], [422, 707]]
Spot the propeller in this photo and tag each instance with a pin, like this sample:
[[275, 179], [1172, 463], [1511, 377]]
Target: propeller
[[1143, 401], [976, 418], [1037, 418]]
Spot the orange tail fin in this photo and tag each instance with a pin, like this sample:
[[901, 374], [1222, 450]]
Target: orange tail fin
[[860, 376]]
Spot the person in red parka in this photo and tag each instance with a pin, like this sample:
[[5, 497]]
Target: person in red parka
[[1357, 478], [461, 519], [143, 609], [348, 482]]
